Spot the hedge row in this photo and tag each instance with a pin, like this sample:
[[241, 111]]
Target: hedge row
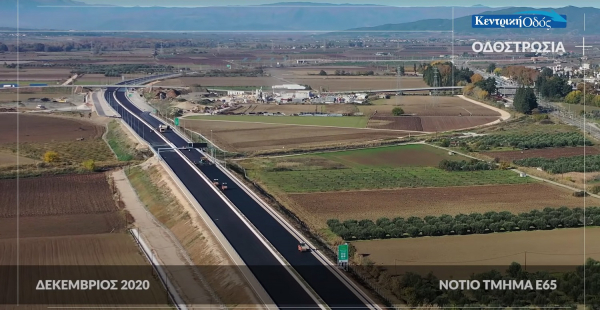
[[563, 164], [462, 224], [463, 165]]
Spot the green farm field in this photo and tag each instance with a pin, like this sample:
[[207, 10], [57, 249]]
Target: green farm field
[[344, 121], [378, 168]]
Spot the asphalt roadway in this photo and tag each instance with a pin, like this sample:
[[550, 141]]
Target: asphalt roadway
[[279, 284]]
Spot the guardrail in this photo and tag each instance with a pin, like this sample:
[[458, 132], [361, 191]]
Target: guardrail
[[173, 295]]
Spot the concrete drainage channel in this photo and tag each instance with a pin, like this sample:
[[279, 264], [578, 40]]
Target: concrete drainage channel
[[173, 295]]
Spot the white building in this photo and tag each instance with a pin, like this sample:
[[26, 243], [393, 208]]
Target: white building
[[235, 92], [288, 87]]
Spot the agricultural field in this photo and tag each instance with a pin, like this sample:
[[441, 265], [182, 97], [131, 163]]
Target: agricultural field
[[538, 140], [57, 195], [428, 114], [398, 181], [254, 137], [356, 83], [296, 108], [11, 96], [23, 82], [94, 79], [428, 123], [220, 81], [41, 133], [103, 256], [428, 106], [48, 75], [527, 126], [477, 253], [37, 128], [410, 155], [550, 153], [414, 166], [8, 159], [71, 221], [465, 224], [330, 69], [563, 164], [431, 201], [341, 121]]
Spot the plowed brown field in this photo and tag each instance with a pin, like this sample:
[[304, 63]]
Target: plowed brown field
[[462, 255], [62, 225], [430, 106], [544, 153], [436, 201], [67, 194], [36, 128], [245, 136], [107, 256], [428, 123]]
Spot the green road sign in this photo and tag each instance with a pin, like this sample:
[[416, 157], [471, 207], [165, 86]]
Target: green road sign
[[343, 253], [130, 95], [154, 111], [177, 121]]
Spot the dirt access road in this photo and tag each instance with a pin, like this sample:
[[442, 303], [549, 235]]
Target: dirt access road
[[164, 244]]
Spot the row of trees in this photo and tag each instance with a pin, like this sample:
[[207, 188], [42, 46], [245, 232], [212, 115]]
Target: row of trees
[[532, 141], [233, 73], [521, 74], [563, 164], [445, 70], [462, 224], [463, 165], [119, 69], [471, 90], [347, 73], [424, 290], [577, 97]]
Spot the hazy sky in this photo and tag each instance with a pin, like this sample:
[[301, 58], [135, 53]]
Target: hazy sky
[[504, 3]]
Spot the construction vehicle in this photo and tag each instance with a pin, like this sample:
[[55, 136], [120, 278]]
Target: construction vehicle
[[223, 186], [303, 247], [163, 128], [216, 182]]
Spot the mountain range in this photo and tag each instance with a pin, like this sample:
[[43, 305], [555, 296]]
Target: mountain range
[[284, 16], [462, 25]]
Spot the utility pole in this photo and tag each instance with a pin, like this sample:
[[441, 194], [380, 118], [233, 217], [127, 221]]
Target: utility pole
[[436, 85]]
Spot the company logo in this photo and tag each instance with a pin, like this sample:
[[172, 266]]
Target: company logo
[[518, 47], [526, 19]]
